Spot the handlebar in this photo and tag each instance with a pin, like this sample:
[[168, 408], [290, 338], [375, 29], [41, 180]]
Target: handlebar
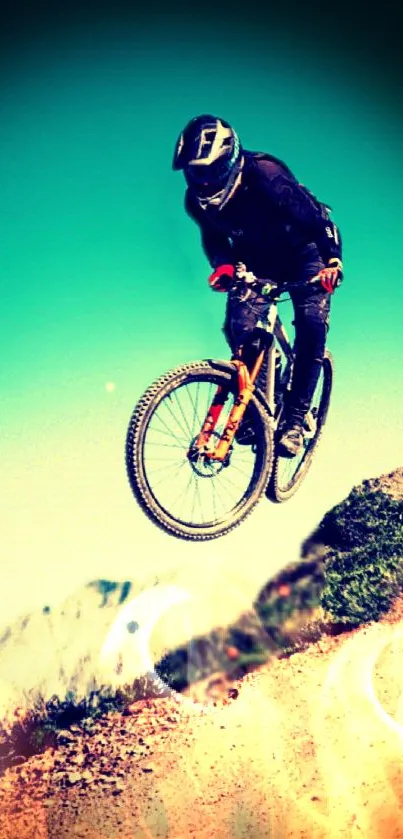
[[246, 280]]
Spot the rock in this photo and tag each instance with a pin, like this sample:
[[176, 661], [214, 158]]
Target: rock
[[64, 737], [73, 778]]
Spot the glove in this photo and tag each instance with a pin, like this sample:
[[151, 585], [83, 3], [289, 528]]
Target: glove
[[331, 276], [247, 282], [222, 278], [242, 273]]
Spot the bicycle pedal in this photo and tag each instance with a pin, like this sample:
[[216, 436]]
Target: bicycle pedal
[[309, 425], [245, 437]]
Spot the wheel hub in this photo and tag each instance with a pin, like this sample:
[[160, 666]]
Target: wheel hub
[[203, 465]]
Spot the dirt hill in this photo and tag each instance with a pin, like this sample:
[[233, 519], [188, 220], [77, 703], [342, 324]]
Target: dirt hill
[[309, 746]]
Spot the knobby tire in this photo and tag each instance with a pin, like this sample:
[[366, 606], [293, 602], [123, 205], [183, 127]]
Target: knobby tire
[[136, 466], [276, 491]]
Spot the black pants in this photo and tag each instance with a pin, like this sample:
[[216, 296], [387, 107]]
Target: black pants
[[311, 312]]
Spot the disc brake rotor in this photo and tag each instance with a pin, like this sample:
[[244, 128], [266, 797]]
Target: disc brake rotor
[[203, 465]]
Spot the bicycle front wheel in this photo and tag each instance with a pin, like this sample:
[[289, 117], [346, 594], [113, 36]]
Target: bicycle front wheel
[[194, 499], [288, 473]]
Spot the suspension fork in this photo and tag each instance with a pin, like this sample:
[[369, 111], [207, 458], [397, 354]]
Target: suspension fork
[[245, 387], [213, 415]]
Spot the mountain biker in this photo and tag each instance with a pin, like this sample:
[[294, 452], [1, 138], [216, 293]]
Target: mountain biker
[[251, 209]]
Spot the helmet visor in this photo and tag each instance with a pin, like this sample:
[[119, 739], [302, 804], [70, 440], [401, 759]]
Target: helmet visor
[[208, 180]]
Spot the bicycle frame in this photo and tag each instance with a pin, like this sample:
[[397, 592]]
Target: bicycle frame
[[279, 341], [277, 338]]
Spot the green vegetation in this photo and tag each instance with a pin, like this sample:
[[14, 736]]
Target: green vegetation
[[364, 559], [46, 723], [107, 587], [366, 516], [126, 588], [273, 627]]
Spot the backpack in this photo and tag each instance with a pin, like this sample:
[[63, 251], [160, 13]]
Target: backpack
[[323, 209]]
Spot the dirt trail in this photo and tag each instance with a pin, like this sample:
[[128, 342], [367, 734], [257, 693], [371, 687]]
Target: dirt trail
[[310, 748]]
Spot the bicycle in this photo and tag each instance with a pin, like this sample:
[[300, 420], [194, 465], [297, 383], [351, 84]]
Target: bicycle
[[184, 441]]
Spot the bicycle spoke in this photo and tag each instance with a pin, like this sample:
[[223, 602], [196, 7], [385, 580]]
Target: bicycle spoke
[[237, 469], [170, 409], [166, 445], [227, 483], [186, 489], [167, 461], [168, 432], [194, 405], [197, 495], [209, 397], [189, 430], [218, 495], [214, 493], [174, 475]]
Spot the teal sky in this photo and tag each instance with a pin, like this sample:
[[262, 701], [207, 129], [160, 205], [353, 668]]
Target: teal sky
[[103, 280]]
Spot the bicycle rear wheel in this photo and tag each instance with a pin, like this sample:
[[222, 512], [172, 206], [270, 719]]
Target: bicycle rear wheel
[[288, 473], [194, 499]]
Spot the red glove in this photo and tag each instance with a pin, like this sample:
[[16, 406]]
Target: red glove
[[331, 276], [222, 278]]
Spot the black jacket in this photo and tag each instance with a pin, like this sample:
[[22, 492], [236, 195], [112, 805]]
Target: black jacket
[[267, 223]]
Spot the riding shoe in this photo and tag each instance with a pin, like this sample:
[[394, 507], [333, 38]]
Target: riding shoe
[[292, 440]]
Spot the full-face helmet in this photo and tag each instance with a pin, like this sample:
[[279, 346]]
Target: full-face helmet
[[210, 154]]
